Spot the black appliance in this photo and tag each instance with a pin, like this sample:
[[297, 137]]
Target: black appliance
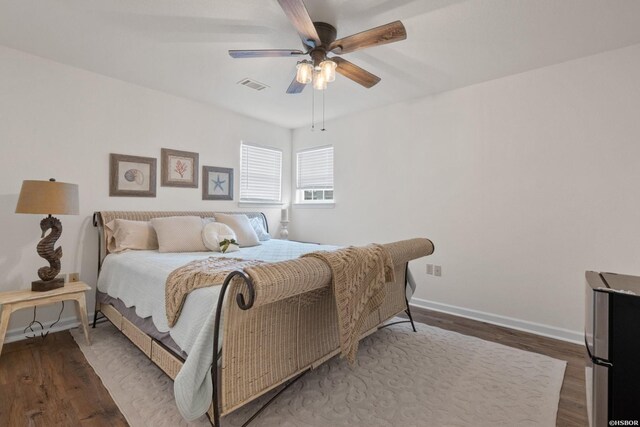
[[612, 338]]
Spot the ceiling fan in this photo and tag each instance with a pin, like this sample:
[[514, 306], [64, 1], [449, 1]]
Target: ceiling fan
[[319, 39]]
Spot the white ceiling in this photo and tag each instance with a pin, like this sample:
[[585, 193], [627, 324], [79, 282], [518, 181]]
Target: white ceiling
[[180, 46]]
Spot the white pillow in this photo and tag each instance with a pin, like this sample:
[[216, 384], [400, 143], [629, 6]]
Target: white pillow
[[179, 233], [245, 234], [258, 227], [214, 232], [124, 234]]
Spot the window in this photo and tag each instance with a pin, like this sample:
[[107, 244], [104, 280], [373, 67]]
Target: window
[[314, 183], [260, 174]]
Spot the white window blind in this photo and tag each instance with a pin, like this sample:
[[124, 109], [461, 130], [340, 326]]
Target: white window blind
[[315, 169], [260, 174]]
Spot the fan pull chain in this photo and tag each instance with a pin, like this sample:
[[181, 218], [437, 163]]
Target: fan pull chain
[[313, 106], [323, 129]]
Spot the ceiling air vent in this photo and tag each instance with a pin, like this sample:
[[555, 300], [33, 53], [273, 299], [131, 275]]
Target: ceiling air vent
[[252, 84]]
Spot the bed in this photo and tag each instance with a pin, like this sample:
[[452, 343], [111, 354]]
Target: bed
[[264, 329]]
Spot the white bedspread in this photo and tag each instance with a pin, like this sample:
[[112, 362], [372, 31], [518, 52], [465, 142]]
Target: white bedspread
[[138, 279]]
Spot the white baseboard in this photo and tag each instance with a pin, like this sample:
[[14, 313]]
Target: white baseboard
[[18, 334], [508, 322]]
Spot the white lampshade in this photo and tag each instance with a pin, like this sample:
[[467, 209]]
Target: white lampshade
[[304, 75], [328, 70], [319, 82]]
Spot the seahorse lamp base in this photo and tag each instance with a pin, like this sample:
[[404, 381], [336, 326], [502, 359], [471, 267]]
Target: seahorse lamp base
[[46, 250], [42, 286]]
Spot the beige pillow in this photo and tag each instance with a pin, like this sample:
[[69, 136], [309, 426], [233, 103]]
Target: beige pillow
[[214, 232], [179, 233], [111, 241], [245, 234], [124, 234]]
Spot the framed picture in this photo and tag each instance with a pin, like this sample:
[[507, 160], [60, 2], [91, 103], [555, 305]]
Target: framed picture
[[132, 176], [217, 183], [179, 168]]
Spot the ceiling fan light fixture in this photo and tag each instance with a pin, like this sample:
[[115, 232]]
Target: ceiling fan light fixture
[[328, 70], [304, 73], [319, 82]]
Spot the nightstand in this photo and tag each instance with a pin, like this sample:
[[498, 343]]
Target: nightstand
[[15, 300]]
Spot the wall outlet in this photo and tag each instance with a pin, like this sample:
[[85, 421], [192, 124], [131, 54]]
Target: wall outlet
[[429, 268], [74, 277], [437, 270]]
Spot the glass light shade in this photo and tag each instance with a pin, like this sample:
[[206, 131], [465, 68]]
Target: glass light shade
[[328, 70], [304, 74], [319, 82]]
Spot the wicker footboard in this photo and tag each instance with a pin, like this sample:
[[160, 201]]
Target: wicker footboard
[[282, 320], [313, 349], [265, 346]]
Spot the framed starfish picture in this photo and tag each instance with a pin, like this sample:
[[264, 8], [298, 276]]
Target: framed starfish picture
[[217, 183]]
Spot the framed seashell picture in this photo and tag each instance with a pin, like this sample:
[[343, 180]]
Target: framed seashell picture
[[132, 176]]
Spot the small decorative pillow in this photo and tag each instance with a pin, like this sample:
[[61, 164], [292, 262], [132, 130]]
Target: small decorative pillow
[[214, 232], [258, 227], [245, 235], [123, 234], [179, 233]]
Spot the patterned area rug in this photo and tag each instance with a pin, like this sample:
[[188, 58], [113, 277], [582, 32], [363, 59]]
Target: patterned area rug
[[401, 378]]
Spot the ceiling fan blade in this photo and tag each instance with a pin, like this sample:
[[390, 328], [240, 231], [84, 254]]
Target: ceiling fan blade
[[295, 87], [378, 36], [264, 53], [355, 73], [299, 17]]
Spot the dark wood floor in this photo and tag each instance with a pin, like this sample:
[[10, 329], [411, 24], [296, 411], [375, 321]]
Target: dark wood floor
[[49, 383]]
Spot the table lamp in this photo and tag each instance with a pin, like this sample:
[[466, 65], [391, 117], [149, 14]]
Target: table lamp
[[284, 224], [48, 197]]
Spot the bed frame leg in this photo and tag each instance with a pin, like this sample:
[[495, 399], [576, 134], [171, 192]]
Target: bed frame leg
[[98, 318], [216, 420], [406, 301], [263, 407], [408, 311], [95, 318]]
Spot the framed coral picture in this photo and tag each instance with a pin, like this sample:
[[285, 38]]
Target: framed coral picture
[[179, 168], [132, 176], [217, 183]]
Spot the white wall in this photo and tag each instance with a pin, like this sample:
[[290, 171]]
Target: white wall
[[62, 122], [522, 183]]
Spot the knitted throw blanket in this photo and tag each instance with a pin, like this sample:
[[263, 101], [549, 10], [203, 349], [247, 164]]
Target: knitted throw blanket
[[197, 274], [358, 279]]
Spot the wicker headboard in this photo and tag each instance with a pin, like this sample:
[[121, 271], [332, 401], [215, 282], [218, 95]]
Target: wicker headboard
[[104, 217]]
